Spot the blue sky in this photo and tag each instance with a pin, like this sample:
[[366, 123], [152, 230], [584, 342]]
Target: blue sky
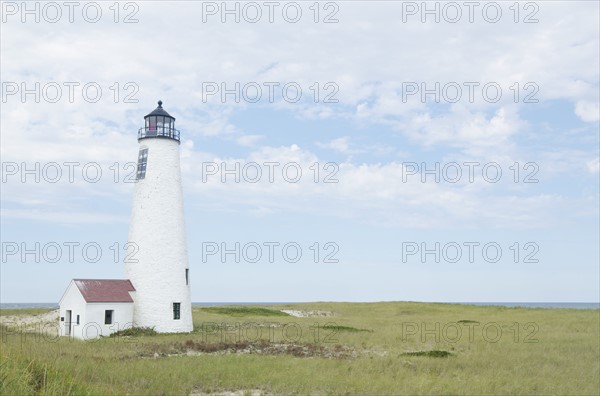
[[373, 135]]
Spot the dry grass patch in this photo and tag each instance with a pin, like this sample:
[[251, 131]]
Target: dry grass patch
[[261, 347]]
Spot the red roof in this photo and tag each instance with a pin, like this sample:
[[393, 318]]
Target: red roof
[[105, 290]]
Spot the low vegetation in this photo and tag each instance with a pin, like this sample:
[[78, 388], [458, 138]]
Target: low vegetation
[[428, 353], [22, 376], [365, 348], [343, 328], [23, 311], [135, 332], [243, 311]]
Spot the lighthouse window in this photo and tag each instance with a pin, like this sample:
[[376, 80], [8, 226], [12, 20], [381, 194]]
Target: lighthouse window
[[151, 126], [187, 276], [108, 316], [141, 166], [176, 311]]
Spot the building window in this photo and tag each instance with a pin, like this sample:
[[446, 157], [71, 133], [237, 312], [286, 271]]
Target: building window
[[108, 316], [187, 276], [77, 319], [176, 311], [141, 166]]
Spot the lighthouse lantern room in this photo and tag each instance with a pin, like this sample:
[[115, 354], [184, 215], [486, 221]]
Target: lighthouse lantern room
[[159, 123]]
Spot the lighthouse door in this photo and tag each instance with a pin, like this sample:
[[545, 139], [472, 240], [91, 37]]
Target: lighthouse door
[[68, 323]]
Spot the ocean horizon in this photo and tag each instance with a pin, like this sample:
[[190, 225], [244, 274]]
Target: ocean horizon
[[554, 305]]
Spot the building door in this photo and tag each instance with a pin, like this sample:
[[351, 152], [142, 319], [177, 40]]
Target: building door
[[68, 323]]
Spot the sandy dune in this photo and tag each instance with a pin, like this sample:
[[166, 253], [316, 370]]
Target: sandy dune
[[46, 323]]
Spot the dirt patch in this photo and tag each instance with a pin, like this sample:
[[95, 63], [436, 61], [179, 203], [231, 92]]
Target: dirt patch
[[240, 392], [434, 353], [261, 347]]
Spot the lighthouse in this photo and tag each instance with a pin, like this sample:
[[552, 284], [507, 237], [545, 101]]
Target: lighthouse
[[158, 269], [157, 291]]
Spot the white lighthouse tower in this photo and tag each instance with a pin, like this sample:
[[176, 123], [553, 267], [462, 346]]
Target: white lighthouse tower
[[159, 269]]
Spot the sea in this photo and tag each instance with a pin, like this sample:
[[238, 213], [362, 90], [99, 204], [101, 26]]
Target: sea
[[563, 305]]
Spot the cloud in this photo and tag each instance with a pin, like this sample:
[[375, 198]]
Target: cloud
[[588, 111], [389, 194], [341, 145], [473, 132], [593, 166], [374, 56], [249, 140]]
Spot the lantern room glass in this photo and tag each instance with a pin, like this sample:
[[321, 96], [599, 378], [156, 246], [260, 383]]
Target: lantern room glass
[[159, 125]]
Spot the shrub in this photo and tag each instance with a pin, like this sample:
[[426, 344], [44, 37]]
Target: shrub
[[135, 332], [434, 353]]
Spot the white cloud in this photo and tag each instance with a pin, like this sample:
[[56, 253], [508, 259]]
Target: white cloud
[[593, 166], [249, 140], [472, 132], [385, 194], [588, 111], [340, 145], [369, 54]]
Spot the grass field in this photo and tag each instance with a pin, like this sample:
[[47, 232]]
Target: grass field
[[362, 348]]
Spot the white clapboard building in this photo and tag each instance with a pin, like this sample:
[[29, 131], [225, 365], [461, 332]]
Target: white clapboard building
[[157, 291], [96, 307]]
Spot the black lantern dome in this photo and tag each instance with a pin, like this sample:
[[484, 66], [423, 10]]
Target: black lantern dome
[[159, 124]]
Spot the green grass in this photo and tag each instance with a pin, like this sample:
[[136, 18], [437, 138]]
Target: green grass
[[343, 328], [243, 311], [413, 348], [19, 376], [24, 311]]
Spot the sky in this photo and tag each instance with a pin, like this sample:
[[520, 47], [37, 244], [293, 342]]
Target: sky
[[330, 151]]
